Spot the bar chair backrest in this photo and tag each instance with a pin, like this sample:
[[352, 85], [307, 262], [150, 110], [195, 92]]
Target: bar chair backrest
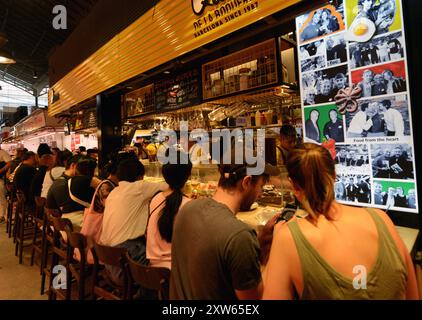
[[152, 278]]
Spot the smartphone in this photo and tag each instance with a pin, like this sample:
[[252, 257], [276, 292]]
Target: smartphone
[[288, 213]]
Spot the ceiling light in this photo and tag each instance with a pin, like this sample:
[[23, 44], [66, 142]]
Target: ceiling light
[[6, 57], [35, 75], [166, 72]]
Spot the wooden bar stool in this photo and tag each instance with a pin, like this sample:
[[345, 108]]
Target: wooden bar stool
[[11, 201], [47, 243], [80, 270], [104, 284], [61, 254], [38, 237], [152, 278], [23, 225]]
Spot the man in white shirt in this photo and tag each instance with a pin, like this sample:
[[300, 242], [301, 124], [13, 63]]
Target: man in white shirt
[[393, 120], [5, 160], [126, 210], [360, 123]]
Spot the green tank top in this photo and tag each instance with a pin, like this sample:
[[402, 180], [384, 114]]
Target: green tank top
[[386, 281]]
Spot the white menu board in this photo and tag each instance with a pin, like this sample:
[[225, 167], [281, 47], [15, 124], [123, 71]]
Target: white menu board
[[360, 43]]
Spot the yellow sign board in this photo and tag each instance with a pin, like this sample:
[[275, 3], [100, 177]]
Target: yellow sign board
[[171, 29]]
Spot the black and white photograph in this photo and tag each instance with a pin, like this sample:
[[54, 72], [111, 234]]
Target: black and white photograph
[[336, 49], [353, 188], [382, 79], [313, 64], [378, 50], [392, 161], [325, 84], [352, 159], [321, 22], [391, 194], [380, 117], [312, 50]]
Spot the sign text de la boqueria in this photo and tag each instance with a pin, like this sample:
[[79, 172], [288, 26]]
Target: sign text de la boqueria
[[224, 13]]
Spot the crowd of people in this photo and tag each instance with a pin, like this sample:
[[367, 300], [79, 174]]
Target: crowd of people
[[212, 254], [353, 189], [376, 51], [393, 163], [320, 87], [382, 14], [394, 197], [375, 84]]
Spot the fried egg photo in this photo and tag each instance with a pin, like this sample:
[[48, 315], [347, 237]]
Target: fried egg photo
[[361, 30]]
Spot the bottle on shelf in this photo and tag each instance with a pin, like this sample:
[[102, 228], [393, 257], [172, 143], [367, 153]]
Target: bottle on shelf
[[258, 118]]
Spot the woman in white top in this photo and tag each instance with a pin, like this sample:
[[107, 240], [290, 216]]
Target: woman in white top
[[163, 210], [56, 172]]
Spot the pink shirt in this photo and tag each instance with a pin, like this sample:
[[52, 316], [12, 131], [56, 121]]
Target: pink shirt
[[158, 249]]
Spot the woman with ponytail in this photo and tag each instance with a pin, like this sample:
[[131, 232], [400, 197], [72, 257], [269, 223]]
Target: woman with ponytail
[[163, 210], [337, 252]]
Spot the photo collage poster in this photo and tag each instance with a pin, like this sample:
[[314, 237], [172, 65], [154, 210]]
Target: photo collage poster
[[360, 43]]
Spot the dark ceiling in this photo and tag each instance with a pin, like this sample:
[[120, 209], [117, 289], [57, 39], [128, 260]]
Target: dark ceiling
[[28, 26]]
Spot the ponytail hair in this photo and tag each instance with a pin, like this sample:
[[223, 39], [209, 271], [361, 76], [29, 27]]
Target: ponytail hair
[[176, 175], [312, 169]]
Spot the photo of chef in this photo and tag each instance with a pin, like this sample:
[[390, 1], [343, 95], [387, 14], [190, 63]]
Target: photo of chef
[[352, 159], [380, 117], [378, 50], [321, 22], [324, 123], [392, 194], [385, 14], [392, 161], [380, 80], [312, 50], [336, 49], [313, 64], [353, 188], [326, 83]]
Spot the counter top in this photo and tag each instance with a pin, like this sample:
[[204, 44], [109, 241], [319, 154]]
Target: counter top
[[257, 219]]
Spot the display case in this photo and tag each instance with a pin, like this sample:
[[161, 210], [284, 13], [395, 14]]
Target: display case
[[204, 181], [250, 68]]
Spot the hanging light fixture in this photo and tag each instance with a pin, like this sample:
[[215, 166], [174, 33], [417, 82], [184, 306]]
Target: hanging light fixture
[[6, 57]]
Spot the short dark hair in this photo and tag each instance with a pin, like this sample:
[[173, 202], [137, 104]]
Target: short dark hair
[[82, 149], [86, 166], [43, 149], [62, 158], [130, 170], [27, 155], [386, 103], [91, 151], [288, 132], [232, 174], [72, 160]]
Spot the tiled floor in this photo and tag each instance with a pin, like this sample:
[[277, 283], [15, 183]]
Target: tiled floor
[[17, 282]]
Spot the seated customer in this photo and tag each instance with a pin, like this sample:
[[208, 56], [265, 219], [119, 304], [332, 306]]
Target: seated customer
[[163, 210], [215, 256], [46, 162], [56, 172], [25, 173], [337, 251], [72, 202], [126, 210]]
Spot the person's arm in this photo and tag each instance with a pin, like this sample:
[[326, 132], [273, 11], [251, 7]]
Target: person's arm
[[278, 284], [399, 124], [326, 131], [412, 292], [242, 258], [95, 182]]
